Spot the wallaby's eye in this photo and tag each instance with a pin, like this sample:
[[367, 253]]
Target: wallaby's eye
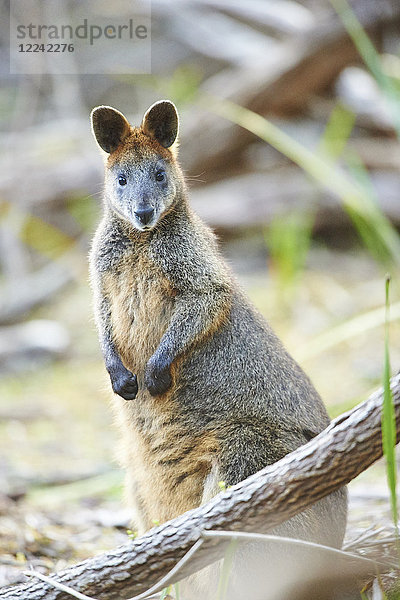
[[161, 175], [122, 180]]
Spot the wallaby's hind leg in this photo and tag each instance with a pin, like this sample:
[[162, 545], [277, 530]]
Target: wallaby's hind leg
[[272, 571]]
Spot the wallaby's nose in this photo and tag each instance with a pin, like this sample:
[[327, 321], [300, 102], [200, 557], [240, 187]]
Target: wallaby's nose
[[144, 215]]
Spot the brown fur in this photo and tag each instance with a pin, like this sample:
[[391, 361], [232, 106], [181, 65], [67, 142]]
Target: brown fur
[[137, 139]]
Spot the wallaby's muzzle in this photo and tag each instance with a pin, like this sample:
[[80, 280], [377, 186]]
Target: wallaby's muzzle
[[144, 215]]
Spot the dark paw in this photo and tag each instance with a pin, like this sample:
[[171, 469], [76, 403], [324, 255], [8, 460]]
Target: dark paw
[[157, 378], [125, 384]]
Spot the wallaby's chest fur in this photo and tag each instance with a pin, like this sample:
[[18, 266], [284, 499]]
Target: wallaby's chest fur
[[141, 303]]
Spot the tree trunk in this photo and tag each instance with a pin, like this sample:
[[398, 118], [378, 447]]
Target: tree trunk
[[350, 444]]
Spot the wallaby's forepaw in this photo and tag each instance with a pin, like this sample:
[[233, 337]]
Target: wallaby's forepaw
[[157, 377], [124, 383]]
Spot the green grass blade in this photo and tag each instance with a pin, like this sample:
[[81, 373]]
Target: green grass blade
[[322, 169], [165, 592], [370, 57], [389, 419], [337, 131], [288, 238], [367, 229], [347, 330], [226, 570]]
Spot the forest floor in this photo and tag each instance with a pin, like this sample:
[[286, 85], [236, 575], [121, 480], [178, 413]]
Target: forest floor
[[60, 484]]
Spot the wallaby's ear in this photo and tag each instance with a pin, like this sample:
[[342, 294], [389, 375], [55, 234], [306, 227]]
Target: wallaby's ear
[[109, 127], [161, 122]]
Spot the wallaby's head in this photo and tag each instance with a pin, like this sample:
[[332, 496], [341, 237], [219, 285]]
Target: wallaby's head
[[142, 178]]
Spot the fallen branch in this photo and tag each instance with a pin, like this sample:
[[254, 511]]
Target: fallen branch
[[356, 563], [250, 199], [350, 444]]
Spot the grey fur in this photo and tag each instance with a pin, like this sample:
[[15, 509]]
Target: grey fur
[[217, 361]]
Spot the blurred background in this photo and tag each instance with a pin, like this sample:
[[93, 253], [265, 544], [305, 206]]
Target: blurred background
[[305, 202]]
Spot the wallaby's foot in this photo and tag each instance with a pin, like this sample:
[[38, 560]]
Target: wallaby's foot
[[157, 376], [124, 383]]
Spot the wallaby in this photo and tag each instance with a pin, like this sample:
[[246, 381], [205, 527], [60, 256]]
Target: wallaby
[[205, 391]]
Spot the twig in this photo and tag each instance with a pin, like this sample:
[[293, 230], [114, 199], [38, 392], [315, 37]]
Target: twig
[[171, 576], [58, 585], [241, 535], [150, 593], [363, 537]]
